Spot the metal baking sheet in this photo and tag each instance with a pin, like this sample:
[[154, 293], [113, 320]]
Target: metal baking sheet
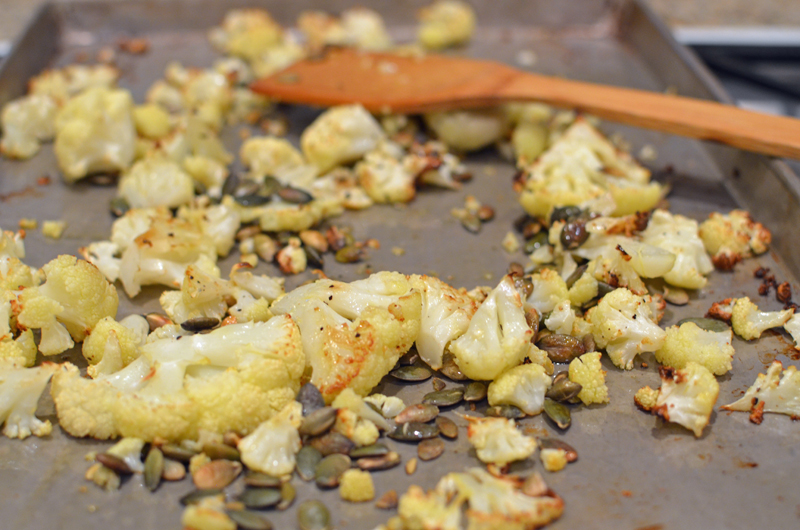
[[634, 471]]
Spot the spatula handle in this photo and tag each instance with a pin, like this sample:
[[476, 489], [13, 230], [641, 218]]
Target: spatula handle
[[707, 120]]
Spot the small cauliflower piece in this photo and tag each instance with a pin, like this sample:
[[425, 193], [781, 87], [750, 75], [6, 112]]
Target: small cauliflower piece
[[679, 235], [349, 400], [622, 323], [390, 406], [498, 441], [130, 451], [385, 179], [151, 121], [356, 486], [549, 290], [772, 392], [689, 342], [498, 336], [733, 237], [646, 398], [432, 164], [587, 371], [268, 156], [26, 122], [20, 389], [553, 459], [95, 133], [365, 29], [208, 514], [62, 83], [272, 447], [561, 319], [433, 510], [686, 396], [53, 229], [446, 23], [246, 33], [792, 327], [113, 345], [523, 386], [340, 135], [360, 431], [749, 322], [21, 350], [156, 182], [468, 130]]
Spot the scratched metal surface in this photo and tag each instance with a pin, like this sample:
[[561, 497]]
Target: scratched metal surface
[[634, 471]]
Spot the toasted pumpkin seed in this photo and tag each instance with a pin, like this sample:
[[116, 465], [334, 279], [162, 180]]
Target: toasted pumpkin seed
[[475, 391], [231, 184], [153, 468], [294, 195], [313, 257], [576, 275], [216, 474], [261, 480], [532, 319], [193, 497], [485, 213], [411, 373], [252, 199], [410, 357], [288, 495], [438, 384], [430, 449], [388, 501], [173, 470], [561, 348], [330, 469], [332, 442], [376, 449], [444, 398], [471, 222], [119, 206], [318, 422], [313, 515], [422, 413], [414, 432], [378, 463], [563, 389], [200, 324], [270, 185], [534, 243], [565, 213], [259, 498], [589, 343], [708, 324], [114, 463], [447, 427], [249, 520], [555, 443], [505, 411], [311, 398], [411, 466], [676, 296], [558, 413], [176, 452], [315, 240], [157, 320], [574, 234], [349, 254], [306, 461], [218, 451], [450, 369]]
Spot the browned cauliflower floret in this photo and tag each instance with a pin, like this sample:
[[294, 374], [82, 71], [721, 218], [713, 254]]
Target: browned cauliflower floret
[[733, 237]]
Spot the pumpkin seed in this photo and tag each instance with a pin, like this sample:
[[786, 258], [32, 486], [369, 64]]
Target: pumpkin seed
[[414, 432], [349, 254], [313, 515], [430, 449], [557, 412], [114, 463], [444, 398], [259, 498], [330, 469], [379, 463], [306, 461], [119, 206], [563, 389], [313, 257], [270, 185], [311, 398], [561, 348], [447, 427], [216, 474], [555, 443], [376, 449], [676, 296], [337, 239], [249, 520], [576, 275], [218, 451], [517, 270], [505, 411], [450, 369], [421, 413], [318, 422], [315, 240], [535, 243], [534, 485], [294, 195], [475, 391], [603, 289], [173, 470], [153, 468], [589, 343], [193, 497], [471, 222], [331, 443], [438, 384], [708, 324], [485, 213], [157, 320], [565, 213], [104, 477], [388, 501], [410, 357], [200, 324], [574, 234], [252, 199], [261, 480], [411, 373], [411, 466], [176, 452], [231, 438], [532, 319], [288, 495], [231, 184]]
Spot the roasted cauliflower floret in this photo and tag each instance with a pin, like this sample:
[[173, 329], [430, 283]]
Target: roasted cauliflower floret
[[26, 122], [749, 322], [468, 130], [353, 334], [523, 386], [622, 323], [113, 345], [246, 33], [350, 401], [686, 396], [385, 179], [340, 135], [156, 182], [356, 486], [792, 327], [433, 510], [152, 121], [445, 23], [689, 342], [553, 459], [679, 235], [266, 155], [62, 83], [549, 290], [272, 446], [587, 371], [498, 336], [733, 237], [498, 441], [772, 392], [20, 389]]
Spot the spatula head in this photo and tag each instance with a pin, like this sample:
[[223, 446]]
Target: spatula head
[[388, 83]]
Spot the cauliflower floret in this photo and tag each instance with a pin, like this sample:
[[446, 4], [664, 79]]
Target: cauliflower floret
[[152, 121], [679, 235], [498, 336], [622, 323], [61, 84], [208, 514], [749, 322], [646, 398], [498, 441], [429, 511], [446, 314], [113, 345], [156, 182], [686, 396], [266, 155], [445, 23], [733, 237], [130, 451], [792, 327], [356, 486], [365, 29], [21, 350], [523, 386], [689, 342], [385, 179], [20, 389], [349, 400], [230, 379], [74, 297], [561, 319], [468, 130], [278, 215], [272, 447], [360, 431], [353, 334], [390, 406], [246, 33], [432, 164], [553, 459], [772, 392], [95, 132], [26, 122], [340, 135], [549, 290], [587, 371], [210, 173]]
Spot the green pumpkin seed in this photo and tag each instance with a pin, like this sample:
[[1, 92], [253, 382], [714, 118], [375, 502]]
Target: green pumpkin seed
[[249, 520], [421, 413], [313, 257], [218, 451], [153, 468], [444, 398], [261, 480], [294, 195], [260, 498], [414, 432], [176, 452], [114, 463], [330, 469], [603, 289], [430, 449], [288, 495], [576, 275], [555, 443], [558, 413], [535, 243], [475, 391], [252, 199], [311, 398], [332, 442], [471, 222], [708, 324], [318, 422], [411, 373], [563, 389], [589, 343], [231, 184], [379, 463], [565, 213], [349, 254], [193, 497], [200, 324], [306, 461], [119, 206], [574, 234], [313, 515], [561, 348], [447, 427], [376, 449], [505, 411], [450, 369], [270, 185], [438, 384]]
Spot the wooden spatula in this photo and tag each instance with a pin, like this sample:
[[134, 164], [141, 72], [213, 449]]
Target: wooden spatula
[[407, 84]]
